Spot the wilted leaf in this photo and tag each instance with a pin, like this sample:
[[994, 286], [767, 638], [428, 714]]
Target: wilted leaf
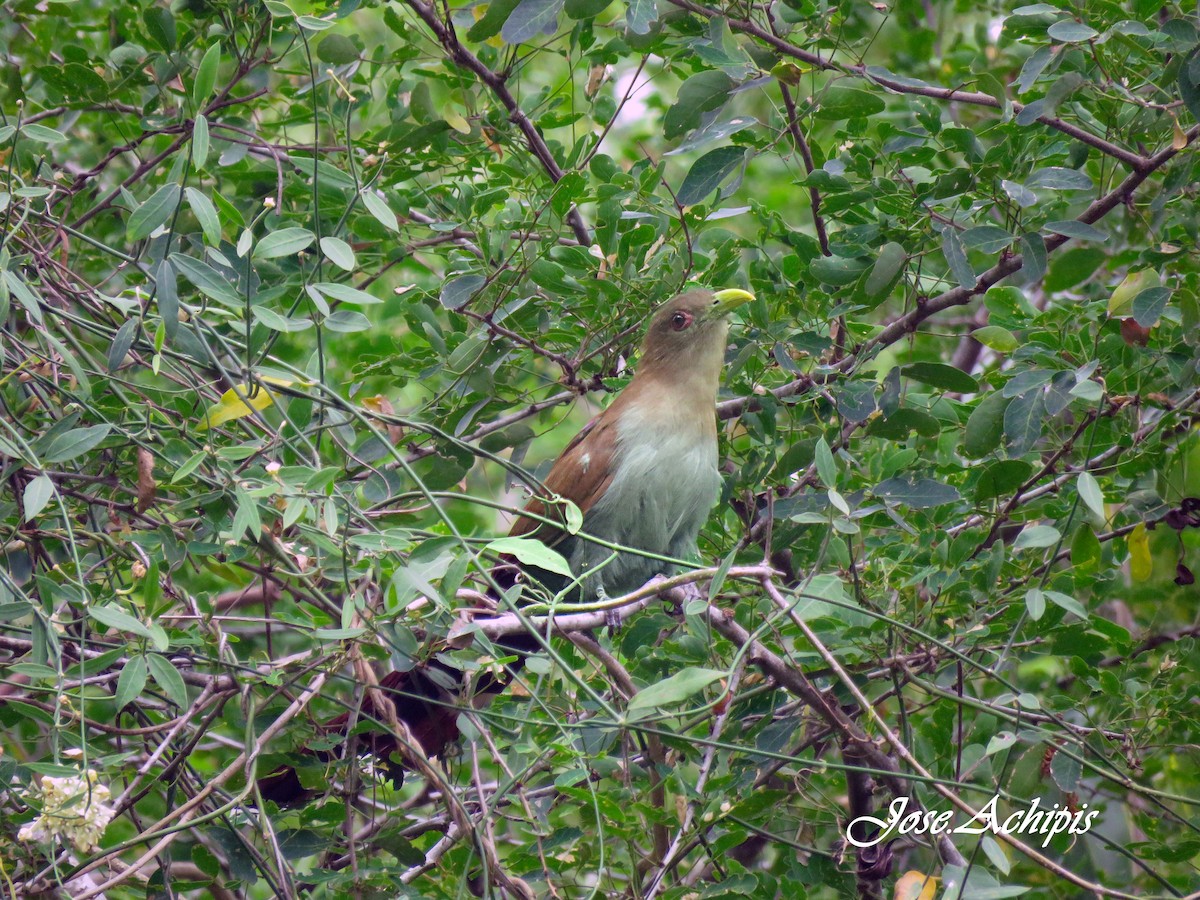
[[146, 486], [1141, 565], [232, 405]]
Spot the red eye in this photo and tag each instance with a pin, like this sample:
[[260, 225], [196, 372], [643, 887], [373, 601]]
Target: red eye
[[680, 321]]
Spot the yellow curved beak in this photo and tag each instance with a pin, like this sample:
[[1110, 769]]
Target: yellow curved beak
[[726, 301]]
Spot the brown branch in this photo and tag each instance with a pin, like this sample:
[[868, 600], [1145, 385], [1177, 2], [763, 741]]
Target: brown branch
[[974, 98], [497, 83], [814, 196]]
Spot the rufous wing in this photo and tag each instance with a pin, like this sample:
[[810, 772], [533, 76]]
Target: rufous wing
[[581, 474]]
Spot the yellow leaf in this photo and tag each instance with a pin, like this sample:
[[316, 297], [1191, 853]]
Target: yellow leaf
[[1121, 301], [1140, 564], [231, 405], [1179, 140], [457, 122], [914, 885]]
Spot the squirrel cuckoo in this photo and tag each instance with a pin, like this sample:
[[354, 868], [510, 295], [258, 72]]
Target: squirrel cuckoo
[[644, 475]]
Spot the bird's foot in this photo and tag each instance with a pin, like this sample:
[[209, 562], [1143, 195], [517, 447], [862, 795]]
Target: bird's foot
[[691, 592], [612, 615], [677, 598]]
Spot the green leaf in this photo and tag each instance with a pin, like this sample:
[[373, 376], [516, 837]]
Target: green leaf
[[1067, 602], [585, 9], [1001, 477], [999, 339], [346, 293], [73, 443], [531, 552], [337, 50], [986, 238], [1072, 267], [153, 213], [1033, 256], [122, 341], [1023, 422], [1120, 303], [166, 294], [826, 468], [199, 142], [206, 75], [838, 103], [706, 175], [339, 253], [190, 465], [347, 321], [1071, 32], [985, 426], [457, 292], [1033, 68], [206, 214], [1073, 228], [206, 279], [889, 266], [956, 258], [112, 617], [1086, 552], [1056, 178], [1037, 537], [276, 322], [838, 271], [941, 375], [1066, 770], [1000, 742], [495, 15], [672, 691], [131, 682], [1189, 84], [1148, 306], [919, 493], [284, 242], [36, 495], [640, 15], [160, 25], [378, 207], [42, 134], [531, 18], [1018, 193], [1035, 603], [312, 23], [1091, 495], [167, 677], [701, 93]]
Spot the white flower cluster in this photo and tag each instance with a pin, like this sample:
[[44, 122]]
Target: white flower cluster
[[75, 808]]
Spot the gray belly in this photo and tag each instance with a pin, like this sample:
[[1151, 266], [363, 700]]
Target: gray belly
[[657, 502]]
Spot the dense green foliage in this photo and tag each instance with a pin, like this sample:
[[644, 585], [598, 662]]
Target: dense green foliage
[[954, 554]]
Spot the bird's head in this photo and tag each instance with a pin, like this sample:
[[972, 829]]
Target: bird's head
[[690, 329]]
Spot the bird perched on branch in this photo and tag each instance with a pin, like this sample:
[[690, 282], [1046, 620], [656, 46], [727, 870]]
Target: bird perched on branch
[[643, 474]]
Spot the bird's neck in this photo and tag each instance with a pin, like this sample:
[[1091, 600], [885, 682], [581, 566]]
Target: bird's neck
[[665, 402], [689, 375]]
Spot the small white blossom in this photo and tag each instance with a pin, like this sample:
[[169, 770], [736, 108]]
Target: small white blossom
[[75, 808], [273, 467]]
